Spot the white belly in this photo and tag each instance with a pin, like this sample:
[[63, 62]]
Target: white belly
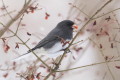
[[52, 52]]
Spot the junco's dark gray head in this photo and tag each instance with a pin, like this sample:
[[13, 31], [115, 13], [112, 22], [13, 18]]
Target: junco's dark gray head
[[65, 24]]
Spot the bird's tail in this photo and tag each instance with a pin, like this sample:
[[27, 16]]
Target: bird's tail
[[22, 57]]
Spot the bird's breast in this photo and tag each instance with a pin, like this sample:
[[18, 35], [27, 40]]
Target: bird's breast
[[57, 47]]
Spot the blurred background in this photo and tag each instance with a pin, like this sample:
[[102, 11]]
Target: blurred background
[[95, 51]]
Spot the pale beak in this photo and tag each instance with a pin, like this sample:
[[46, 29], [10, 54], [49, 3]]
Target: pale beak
[[75, 27]]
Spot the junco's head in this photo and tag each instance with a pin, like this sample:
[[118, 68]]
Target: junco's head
[[67, 24]]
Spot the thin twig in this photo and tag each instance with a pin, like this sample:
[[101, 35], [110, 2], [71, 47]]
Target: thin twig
[[77, 42], [79, 9], [10, 12], [6, 10], [86, 66], [116, 20], [105, 14], [19, 23]]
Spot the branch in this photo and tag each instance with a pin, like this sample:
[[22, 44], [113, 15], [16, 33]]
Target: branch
[[105, 14], [15, 18], [10, 12], [17, 28], [57, 66], [87, 66], [6, 9]]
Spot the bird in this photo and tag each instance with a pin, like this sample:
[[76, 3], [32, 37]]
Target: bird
[[56, 41]]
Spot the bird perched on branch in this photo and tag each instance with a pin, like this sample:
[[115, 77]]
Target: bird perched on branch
[[56, 41]]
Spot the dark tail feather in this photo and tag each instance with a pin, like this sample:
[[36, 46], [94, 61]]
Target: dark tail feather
[[21, 57]]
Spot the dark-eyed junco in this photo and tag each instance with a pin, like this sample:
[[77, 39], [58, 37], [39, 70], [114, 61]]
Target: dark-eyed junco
[[56, 41]]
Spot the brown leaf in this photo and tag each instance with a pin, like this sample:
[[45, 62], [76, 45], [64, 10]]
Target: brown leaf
[[17, 46], [118, 67], [97, 34], [108, 19], [6, 48], [32, 77], [38, 75], [48, 70], [5, 75], [23, 24], [73, 57], [42, 66], [33, 8], [100, 45], [28, 34], [47, 15], [78, 49], [94, 23], [3, 8], [106, 57], [106, 33], [111, 45], [3, 39], [54, 75]]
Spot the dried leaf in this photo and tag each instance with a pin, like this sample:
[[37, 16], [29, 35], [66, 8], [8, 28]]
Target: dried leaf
[[14, 65], [47, 15], [108, 19], [42, 66], [73, 57], [97, 34], [106, 57], [28, 34], [38, 75], [59, 14], [17, 46], [111, 45], [6, 48], [100, 45], [101, 29], [70, 3], [106, 33], [78, 49], [3, 39], [54, 75], [33, 8], [23, 24], [118, 67], [94, 23], [3, 8], [32, 77], [48, 70], [5, 75]]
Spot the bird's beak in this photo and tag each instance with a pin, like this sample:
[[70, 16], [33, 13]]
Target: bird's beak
[[75, 27]]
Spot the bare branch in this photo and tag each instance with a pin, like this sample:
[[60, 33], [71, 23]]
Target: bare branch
[[87, 66], [105, 14], [6, 10], [15, 18]]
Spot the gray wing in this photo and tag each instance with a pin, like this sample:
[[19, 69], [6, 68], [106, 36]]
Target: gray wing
[[49, 40]]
